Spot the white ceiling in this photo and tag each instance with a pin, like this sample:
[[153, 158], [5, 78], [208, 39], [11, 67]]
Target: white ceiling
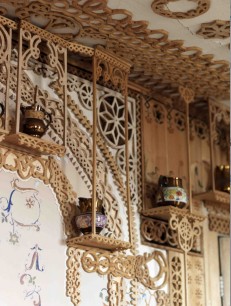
[[183, 29]]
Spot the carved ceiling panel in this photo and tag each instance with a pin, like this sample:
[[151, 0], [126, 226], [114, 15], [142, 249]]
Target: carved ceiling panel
[[215, 29], [159, 64]]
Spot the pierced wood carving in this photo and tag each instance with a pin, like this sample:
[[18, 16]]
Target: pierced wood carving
[[123, 37], [176, 280], [73, 275], [187, 228], [158, 231], [111, 69], [128, 266], [216, 29], [162, 298], [159, 7], [219, 217], [142, 270]]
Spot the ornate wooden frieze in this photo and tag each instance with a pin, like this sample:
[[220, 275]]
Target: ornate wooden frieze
[[122, 37], [160, 7], [216, 29], [128, 266]]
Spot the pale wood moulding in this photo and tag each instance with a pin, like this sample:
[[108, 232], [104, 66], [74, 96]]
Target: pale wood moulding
[[98, 241], [34, 145]]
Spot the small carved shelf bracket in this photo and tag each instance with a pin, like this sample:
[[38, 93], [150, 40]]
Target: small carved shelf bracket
[[185, 224]]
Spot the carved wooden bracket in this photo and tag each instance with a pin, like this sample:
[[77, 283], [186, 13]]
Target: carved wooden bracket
[[128, 266], [186, 226]]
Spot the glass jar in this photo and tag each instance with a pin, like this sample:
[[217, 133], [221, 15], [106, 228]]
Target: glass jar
[[171, 192]]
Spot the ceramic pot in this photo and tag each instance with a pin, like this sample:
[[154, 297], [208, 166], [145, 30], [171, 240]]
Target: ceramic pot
[[222, 178], [171, 192], [36, 120], [84, 218], [2, 110], [84, 222]]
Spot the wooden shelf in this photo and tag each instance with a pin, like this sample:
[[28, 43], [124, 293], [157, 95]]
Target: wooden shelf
[[165, 213], [213, 196], [98, 241], [34, 145]]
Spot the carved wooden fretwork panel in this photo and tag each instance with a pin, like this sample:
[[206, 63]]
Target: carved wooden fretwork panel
[[128, 266], [219, 217], [215, 29], [195, 280], [111, 121], [187, 228], [117, 290], [5, 57], [73, 275], [159, 7], [158, 232], [123, 37], [176, 279], [162, 298]]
